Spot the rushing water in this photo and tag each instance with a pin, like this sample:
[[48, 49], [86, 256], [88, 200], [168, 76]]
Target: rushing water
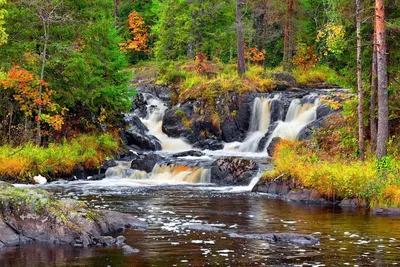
[[189, 225]]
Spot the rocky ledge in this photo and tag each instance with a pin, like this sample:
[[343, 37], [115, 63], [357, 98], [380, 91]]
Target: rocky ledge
[[29, 215]]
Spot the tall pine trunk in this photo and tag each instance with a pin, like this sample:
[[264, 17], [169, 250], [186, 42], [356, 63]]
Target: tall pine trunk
[[360, 83], [288, 37], [374, 87], [383, 107], [240, 40]]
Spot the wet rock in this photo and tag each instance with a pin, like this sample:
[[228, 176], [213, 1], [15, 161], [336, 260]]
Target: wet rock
[[279, 186], [277, 111], [284, 80], [143, 141], [134, 122], [173, 125], [97, 177], [25, 219], [209, 144], [145, 162], [129, 250], [159, 91], [192, 153], [120, 240], [233, 171], [272, 145], [305, 195], [292, 238], [353, 203], [386, 211], [323, 111], [108, 164], [308, 131]]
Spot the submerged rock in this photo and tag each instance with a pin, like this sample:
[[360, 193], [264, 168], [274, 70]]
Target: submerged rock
[[192, 153], [209, 144], [129, 250], [233, 171], [386, 211], [292, 238], [29, 215]]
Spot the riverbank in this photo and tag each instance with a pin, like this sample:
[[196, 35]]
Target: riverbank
[[302, 172], [80, 157]]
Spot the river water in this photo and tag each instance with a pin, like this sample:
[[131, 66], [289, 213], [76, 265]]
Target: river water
[[190, 225]]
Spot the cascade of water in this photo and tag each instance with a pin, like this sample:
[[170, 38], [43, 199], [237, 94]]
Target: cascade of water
[[299, 115], [259, 124], [155, 113], [180, 173]]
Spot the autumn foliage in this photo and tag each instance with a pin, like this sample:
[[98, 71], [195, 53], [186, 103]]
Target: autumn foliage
[[24, 87], [254, 54], [139, 30]]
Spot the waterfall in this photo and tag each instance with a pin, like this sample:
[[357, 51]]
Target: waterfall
[[259, 124], [172, 173], [180, 173], [298, 116], [155, 113]]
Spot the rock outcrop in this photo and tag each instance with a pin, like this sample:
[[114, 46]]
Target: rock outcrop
[[29, 215], [233, 171]]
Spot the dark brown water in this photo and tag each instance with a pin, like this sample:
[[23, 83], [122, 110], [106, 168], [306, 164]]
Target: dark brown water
[[190, 226]]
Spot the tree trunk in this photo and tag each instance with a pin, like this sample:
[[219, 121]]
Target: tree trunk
[[240, 40], [383, 107], [374, 85], [360, 83], [44, 55], [288, 37], [115, 10]]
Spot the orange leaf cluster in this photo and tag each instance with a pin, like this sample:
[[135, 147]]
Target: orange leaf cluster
[[305, 58], [202, 66], [254, 55], [139, 32]]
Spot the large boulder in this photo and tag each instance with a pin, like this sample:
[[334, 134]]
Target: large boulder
[[284, 80], [233, 171], [145, 162], [29, 215], [141, 140]]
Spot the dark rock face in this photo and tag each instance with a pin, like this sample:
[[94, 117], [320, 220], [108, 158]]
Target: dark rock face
[[143, 141], [233, 171], [24, 220], [272, 146], [210, 144], [192, 153], [145, 162]]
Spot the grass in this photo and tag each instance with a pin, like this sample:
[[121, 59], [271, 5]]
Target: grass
[[338, 177], [317, 75], [23, 162]]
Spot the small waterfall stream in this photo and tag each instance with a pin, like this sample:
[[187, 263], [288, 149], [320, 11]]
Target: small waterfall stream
[[155, 114]]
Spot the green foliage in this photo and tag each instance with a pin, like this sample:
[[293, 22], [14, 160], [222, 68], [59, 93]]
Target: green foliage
[[3, 13]]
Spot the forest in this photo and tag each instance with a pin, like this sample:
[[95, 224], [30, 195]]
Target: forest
[[299, 99]]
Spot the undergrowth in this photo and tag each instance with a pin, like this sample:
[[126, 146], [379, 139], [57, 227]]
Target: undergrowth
[[26, 161]]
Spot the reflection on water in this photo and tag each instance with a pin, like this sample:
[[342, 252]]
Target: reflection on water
[[190, 227]]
